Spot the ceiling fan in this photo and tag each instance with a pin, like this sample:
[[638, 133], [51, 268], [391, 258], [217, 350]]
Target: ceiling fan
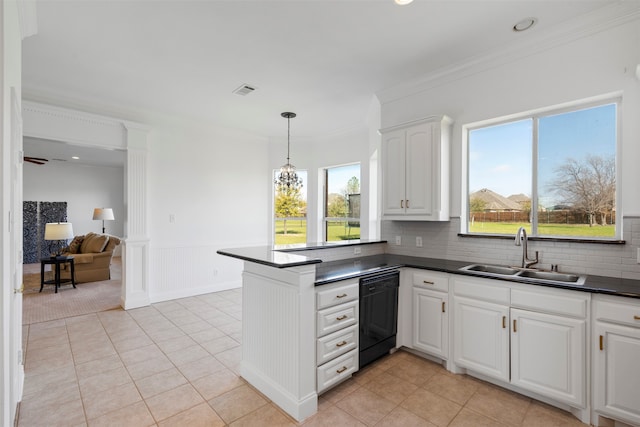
[[36, 160]]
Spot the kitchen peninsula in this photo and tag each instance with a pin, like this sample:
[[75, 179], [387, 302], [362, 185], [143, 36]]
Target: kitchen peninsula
[[284, 290]]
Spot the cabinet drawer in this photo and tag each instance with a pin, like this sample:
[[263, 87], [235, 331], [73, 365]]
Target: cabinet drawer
[[569, 303], [335, 318], [338, 343], [621, 312], [337, 370], [431, 280], [328, 297]]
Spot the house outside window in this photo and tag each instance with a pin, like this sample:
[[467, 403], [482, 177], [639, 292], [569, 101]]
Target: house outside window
[[290, 212], [342, 203], [553, 173]]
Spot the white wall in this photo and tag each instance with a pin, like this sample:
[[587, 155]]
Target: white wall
[[212, 183], [600, 63], [83, 188]]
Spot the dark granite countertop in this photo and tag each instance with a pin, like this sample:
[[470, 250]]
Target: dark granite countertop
[[333, 271], [328, 272]]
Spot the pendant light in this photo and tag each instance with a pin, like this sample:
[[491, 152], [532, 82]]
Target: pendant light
[[288, 178]]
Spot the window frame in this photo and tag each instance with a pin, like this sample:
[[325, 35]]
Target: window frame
[[325, 197], [535, 116]]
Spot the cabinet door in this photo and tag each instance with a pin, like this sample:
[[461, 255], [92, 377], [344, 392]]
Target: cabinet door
[[548, 355], [430, 322], [421, 154], [481, 337], [616, 373], [393, 173]]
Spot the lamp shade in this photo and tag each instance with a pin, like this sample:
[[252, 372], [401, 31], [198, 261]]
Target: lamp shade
[[103, 214], [58, 231]]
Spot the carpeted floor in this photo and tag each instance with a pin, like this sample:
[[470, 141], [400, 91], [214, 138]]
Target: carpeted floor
[[91, 297]]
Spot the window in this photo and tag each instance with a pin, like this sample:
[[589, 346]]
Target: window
[[342, 203], [290, 212], [553, 173]]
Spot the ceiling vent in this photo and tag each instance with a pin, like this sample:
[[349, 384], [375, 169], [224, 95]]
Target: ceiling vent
[[244, 90]]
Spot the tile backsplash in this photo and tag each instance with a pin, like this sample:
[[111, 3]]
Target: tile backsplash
[[441, 240]]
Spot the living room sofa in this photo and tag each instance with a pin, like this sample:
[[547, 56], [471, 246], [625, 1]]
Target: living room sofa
[[91, 256]]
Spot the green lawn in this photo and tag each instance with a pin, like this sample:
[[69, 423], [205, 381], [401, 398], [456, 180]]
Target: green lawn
[[581, 230], [297, 232]]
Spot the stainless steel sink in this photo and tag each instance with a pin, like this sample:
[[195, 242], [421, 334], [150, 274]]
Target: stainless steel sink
[[524, 274], [552, 276], [491, 269]]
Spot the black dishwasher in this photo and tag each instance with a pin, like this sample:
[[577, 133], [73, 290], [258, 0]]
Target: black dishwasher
[[378, 315]]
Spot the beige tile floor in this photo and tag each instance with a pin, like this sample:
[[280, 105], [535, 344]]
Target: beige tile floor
[[176, 364]]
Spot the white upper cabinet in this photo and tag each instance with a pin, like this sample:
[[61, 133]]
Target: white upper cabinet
[[415, 170]]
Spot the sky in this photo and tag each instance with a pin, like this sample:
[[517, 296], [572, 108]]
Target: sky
[[500, 157]]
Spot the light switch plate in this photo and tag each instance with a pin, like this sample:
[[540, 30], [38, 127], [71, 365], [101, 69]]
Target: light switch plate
[[419, 241]]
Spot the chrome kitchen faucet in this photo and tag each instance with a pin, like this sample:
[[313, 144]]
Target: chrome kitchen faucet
[[521, 235]]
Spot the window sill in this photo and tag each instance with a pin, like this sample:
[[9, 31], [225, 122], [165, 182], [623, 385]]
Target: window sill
[[544, 239]]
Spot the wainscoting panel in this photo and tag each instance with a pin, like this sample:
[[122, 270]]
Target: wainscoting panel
[[180, 272]]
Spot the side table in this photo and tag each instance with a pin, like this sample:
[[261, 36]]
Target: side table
[[56, 262]]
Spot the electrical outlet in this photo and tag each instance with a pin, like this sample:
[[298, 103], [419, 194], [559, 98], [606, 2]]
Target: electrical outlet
[[357, 250], [398, 240], [419, 241], [172, 218]]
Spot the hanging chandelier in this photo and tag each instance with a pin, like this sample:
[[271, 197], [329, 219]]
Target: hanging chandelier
[[288, 178]]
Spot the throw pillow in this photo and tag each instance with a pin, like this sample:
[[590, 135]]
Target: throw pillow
[[74, 246], [94, 243]]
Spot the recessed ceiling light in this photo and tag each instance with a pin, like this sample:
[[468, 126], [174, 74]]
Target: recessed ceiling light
[[75, 157], [524, 24], [403, 2]]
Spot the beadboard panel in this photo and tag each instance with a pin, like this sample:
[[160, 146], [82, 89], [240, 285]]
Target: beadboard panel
[[278, 348], [179, 272]]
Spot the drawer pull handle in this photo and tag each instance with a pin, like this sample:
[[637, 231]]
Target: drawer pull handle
[[344, 316], [514, 326], [504, 322], [402, 204], [443, 306], [341, 296], [407, 204], [426, 282], [340, 344], [341, 370], [601, 342], [636, 317]]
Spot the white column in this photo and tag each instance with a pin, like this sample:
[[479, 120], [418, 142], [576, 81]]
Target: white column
[[135, 290]]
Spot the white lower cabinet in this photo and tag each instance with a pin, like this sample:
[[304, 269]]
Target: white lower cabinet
[[482, 337], [337, 332], [533, 338], [430, 313], [616, 354], [548, 355]]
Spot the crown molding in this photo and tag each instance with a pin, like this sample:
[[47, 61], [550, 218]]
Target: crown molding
[[589, 24]]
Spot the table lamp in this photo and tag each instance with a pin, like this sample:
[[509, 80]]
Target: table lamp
[[103, 214], [57, 231]]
